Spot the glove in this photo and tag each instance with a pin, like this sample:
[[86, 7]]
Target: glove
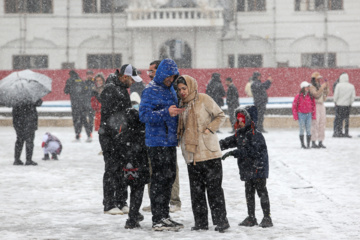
[[227, 155]]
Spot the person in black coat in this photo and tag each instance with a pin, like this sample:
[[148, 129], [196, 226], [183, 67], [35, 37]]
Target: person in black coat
[[89, 84], [115, 100], [215, 89], [134, 161], [253, 163], [76, 88], [258, 90], [232, 100], [25, 121]]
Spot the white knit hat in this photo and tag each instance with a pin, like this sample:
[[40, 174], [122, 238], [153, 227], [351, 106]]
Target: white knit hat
[[304, 84]]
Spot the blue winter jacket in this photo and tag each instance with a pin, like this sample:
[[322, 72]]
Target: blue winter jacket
[[156, 99], [251, 152]]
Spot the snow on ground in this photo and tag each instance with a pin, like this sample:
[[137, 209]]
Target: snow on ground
[[314, 193]]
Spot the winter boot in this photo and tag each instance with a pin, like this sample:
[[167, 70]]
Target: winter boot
[[347, 133], [46, 157], [308, 140], [313, 145], [18, 162], [249, 222], [30, 162], [321, 145], [222, 226], [54, 156], [266, 222], [131, 224], [199, 228], [302, 141]]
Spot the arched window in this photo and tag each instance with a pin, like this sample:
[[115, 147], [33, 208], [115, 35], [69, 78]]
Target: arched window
[[178, 50]]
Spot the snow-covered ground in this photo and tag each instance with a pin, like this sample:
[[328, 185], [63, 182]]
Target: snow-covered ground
[[314, 193]]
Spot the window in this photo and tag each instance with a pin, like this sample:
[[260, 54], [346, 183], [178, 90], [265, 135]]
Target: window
[[28, 6], [250, 5], [317, 5], [30, 61], [231, 61], [89, 6], [103, 61], [318, 59], [251, 60], [118, 5]]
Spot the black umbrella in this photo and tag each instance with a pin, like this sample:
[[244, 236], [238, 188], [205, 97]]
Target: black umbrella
[[23, 87]]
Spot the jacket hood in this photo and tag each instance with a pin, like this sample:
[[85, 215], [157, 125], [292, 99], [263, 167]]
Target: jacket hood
[[344, 78], [166, 68], [250, 113]]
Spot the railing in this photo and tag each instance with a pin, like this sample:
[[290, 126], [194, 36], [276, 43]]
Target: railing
[[177, 16]]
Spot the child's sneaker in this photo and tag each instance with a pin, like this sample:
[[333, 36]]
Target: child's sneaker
[[114, 211], [249, 222], [54, 156], [266, 222], [179, 225], [165, 225]]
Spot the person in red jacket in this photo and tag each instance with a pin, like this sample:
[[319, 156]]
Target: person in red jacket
[[304, 110], [95, 99]]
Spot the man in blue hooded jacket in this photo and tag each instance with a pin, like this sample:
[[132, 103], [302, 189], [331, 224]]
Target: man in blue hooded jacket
[[158, 110]]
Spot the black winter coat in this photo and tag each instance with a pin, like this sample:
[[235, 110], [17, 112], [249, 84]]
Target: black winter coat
[[216, 90], [258, 90], [251, 152], [89, 88], [25, 119], [76, 88], [115, 99], [132, 149], [232, 97]]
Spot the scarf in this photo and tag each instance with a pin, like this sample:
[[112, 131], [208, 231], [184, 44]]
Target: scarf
[[189, 126]]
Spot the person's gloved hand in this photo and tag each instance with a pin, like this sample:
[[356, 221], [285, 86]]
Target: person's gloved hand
[[227, 155]]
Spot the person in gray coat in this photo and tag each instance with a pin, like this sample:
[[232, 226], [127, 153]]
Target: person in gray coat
[[344, 96]]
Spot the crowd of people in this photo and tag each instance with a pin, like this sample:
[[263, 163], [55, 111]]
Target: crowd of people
[[139, 135]]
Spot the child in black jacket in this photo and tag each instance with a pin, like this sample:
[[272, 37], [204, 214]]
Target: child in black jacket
[[253, 162], [134, 161]]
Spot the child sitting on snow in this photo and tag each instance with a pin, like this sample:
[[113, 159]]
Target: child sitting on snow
[[135, 163], [51, 144], [253, 163]]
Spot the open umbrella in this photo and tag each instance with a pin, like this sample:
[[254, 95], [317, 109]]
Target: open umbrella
[[23, 87]]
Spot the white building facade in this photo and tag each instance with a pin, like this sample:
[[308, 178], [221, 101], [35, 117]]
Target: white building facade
[[55, 34]]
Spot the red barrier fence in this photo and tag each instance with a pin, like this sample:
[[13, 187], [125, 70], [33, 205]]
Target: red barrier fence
[[286, 80]]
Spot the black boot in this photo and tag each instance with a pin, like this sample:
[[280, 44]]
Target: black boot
[[302, 141], [321, 145], [54, 156], [18, 162], [347, 133], [308, 140], [313, 145], [249, 222], [30, 162], [46, 157]]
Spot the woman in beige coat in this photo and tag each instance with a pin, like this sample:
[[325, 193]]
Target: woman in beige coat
[[320, 92], [201, 150]]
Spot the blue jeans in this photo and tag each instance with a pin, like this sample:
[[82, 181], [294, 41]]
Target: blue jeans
[[305, 123]]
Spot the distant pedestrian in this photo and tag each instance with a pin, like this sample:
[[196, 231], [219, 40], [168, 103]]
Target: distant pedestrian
[[232, 101], [115, 99], [79, 109], [253, 162], [95, 99], [51, 145], [137, 87], [25, 122], [215, 89], [304, 110], [248, 87], [258, 90], [89, 89], [320, 92], [344, 97]]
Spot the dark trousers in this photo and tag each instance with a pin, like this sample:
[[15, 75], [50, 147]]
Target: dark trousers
[[19, 144], [258, 185], [136, 196], [231, 112], [163, 165], [206, 177], [261, 108], [79, 120], [91, 116], [114, 186], [342, 113]]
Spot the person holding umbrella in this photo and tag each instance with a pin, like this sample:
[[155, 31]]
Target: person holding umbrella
[[25, 121]]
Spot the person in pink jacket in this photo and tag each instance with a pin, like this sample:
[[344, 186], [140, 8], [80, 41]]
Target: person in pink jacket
[[304, 110]]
